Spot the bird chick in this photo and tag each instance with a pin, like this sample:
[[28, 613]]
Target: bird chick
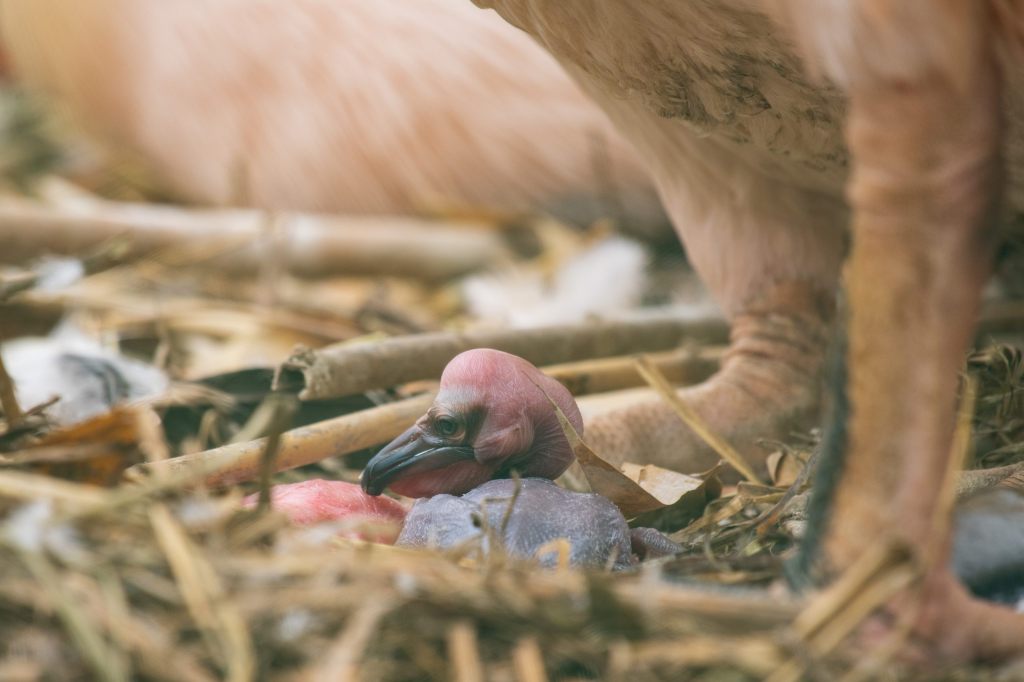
[[526, 523], [343, 107], [492, 416]]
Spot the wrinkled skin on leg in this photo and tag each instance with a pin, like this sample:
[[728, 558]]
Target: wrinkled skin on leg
[[767, 388]]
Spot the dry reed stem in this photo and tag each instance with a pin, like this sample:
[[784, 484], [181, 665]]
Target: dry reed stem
[[27, 487], [139, 636], [960, 452], [349, 433], [341, 662], [659, 383], [351, 368], [84, 634], [529, 661], [756, 655], [464, 653], [215, 615], [11, 284], [830, 602], [874, 595], [150, 434], [305, 244], [681, 366], [877, 575]]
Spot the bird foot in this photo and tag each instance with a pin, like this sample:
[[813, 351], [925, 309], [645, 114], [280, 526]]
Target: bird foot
[[767, 387], [941, 625], [746, 403]]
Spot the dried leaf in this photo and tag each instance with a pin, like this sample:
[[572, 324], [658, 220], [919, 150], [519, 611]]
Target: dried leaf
[[604, 478], [783, 468], [683, 497], [628, 494], [95, 451], [665, 485]]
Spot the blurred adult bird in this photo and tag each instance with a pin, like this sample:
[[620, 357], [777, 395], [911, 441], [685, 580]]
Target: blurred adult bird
[[769, 126], [343, 106]]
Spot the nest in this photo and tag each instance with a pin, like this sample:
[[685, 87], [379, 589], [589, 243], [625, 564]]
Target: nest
[[166, 577]]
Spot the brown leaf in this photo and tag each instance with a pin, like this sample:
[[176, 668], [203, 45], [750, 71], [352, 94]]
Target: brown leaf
[[604, 478], [95, 451], [783, 468], [651, 490], [665, 485], [683, 497]]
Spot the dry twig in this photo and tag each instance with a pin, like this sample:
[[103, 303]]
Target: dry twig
[[308, 245], [240, 462], [350, 368]]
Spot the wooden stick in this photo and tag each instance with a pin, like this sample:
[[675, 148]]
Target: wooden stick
[[306, 245], [681, 367], [528, 661], [350, 368], [16, 283], [239, 462], [464, 653]]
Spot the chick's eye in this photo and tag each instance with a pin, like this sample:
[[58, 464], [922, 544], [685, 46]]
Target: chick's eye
[[446, 426]]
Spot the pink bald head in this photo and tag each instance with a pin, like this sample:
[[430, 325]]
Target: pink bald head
[[492, 416]]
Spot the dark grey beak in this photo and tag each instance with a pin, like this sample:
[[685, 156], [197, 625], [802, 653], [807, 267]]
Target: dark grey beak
[[411, 453]]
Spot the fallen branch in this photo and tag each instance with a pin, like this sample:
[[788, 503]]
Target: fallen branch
[[350, 368], [242, 240], [343, 435]]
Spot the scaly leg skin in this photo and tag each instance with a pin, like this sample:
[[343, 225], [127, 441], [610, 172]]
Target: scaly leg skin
[[767, 387], [926, 167]]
